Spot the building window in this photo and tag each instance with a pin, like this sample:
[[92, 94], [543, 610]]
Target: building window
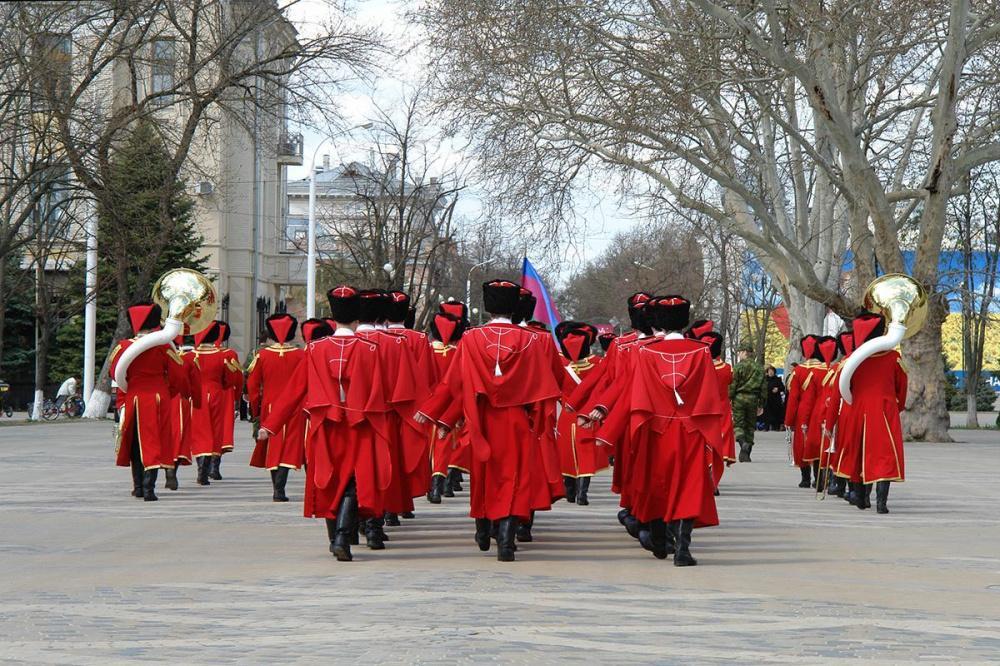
[[52, 61], [162, 75]]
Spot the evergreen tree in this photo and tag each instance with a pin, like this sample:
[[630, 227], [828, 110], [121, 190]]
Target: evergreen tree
[[127, 234]]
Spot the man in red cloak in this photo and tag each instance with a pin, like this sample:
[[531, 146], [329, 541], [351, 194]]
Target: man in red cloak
[[402, 397], [579, 456], [832, 405], [727, 454], [446, 330], [669, 402], [181, 408], [505, 379], [339, 384], [826, 354], [870, 435], [803, 388], [461, 456], [145, 441], [596, 392], [267, 378], [218, 378], [234, 392], [425, 378]]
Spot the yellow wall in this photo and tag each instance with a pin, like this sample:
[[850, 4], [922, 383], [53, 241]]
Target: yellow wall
[[776, 346]]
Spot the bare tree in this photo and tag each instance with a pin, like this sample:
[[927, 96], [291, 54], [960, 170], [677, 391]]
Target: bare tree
[[193, 68], [975, 235], [805, 128], [397, 227], [661, 258]]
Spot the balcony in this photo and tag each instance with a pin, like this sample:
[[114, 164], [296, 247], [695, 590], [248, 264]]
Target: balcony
[[290, 149]]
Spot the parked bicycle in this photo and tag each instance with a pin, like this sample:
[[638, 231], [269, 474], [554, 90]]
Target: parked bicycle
[[71, 409]]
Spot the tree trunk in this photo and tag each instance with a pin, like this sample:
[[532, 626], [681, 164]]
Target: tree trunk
[[926, 417], [41, 367], [805, 316], [971, 409]]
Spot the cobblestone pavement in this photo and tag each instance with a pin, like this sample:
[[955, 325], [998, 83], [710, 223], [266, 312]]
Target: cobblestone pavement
[[223, 575]]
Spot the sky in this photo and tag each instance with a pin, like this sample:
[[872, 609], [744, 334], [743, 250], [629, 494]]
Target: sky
[[604, 217]]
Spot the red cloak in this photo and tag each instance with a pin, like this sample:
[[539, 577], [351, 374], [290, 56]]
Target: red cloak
[[870, 436], [267, 378], [339, 384], [506, 379], [154, 377], [671, 410]]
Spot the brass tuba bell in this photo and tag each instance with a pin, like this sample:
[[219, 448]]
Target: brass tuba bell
[[899, 298], [187, 296], [903, 302], [188, 301]]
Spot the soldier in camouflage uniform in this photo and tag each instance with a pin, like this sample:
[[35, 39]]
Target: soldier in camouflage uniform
[[746, 392]]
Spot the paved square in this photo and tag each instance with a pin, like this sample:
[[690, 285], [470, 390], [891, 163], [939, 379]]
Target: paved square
[[223, 575]]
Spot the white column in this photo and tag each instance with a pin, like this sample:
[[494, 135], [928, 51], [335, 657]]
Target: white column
[[90, 310], [311, 244]]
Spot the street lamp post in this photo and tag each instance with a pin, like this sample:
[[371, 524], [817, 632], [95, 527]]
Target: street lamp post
[[468, 280], [311, 235]]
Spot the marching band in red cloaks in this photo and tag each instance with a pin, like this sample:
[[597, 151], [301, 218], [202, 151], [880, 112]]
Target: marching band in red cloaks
[[220, 377], [505, 378], [145, 432], [340, 385], [267, 378], [669, 403], [870, 435], [580, 457]]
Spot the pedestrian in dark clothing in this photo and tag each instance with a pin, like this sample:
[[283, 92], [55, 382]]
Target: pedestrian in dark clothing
[[774, 403]]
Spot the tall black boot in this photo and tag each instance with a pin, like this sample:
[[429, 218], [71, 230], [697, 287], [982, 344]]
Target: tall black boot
[[524, 530], [859, 496], [149, 484], [331, 532], [683, 558], [374, 534], [455, 480], [136, 477], [171, 474], [483, 533], [214, 472], [632, 526], [653, 537], [280, 479], [204, 465], [582, 487], [882, 497], [818, 478], [569, 483], [505, 539], [446, 489], [437, 488], [391, 519], [804, 483], [868, 495], [347, 514]]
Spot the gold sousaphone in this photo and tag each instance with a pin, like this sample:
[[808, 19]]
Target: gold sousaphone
[[189, 303], [903, 302]]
